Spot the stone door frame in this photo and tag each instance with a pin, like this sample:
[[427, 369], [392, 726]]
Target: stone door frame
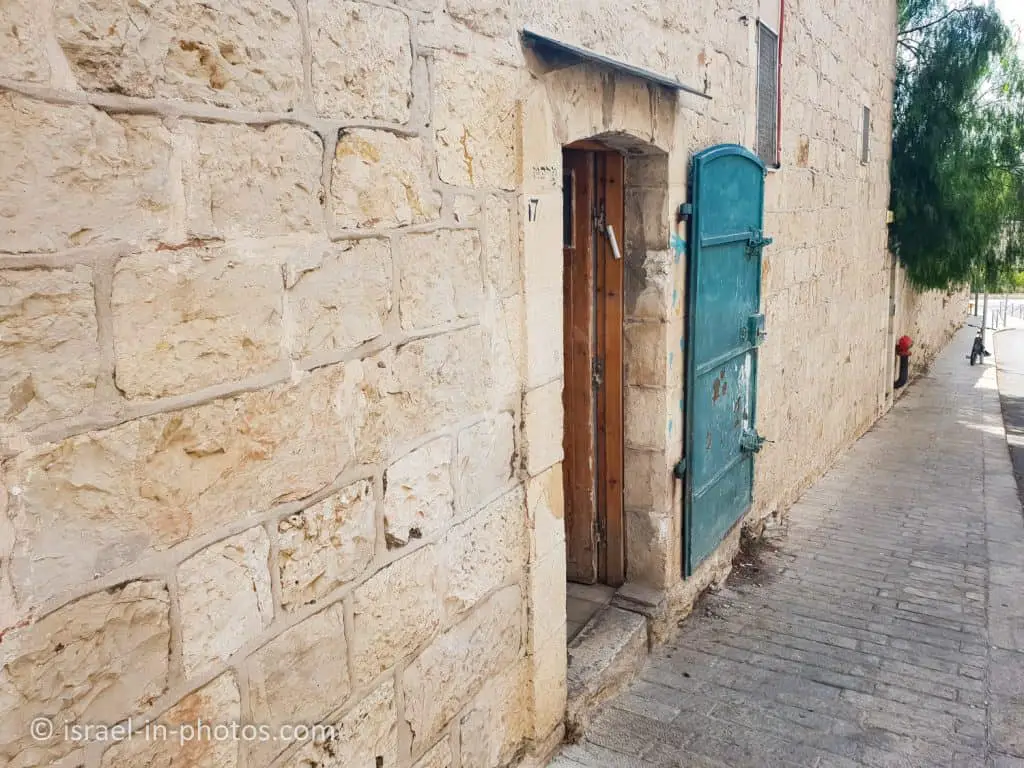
[[637, 119]]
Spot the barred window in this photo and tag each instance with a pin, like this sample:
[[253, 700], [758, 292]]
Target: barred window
[[767, 95]]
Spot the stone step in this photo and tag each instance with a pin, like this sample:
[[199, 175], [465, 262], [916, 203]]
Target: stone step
[[603, 659]]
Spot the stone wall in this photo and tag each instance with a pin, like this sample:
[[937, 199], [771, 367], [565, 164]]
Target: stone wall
[[280, 350], [259, 346], [930, 318]]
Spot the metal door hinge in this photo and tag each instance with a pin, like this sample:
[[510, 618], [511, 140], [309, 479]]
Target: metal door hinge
[[685, 210], [598, 530], [597, 372]]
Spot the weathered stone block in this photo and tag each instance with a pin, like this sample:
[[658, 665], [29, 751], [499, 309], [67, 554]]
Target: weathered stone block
[[106, 179], [225, 598], [439, 756], [650, 544], [234, 53], [645, 410], [299, 677], [434, 381], [339, 295], [215, 704], [645, 354], [325, 546], [547, 605], [539, 144], [542, 426], [445, 34], [544, 336], [395, 611], [649, 484], [366, 736], [440, 277], [502, 325], [196, 317], [451, 670], [23, 42], [498, 721], [485, 552], [650, 291], [96, 660], [97, 501], [549, 684], [362, 61], [475, 122], [545, 500], [466, 208], [543, 234], [49, 355], [491, 18], [250, 181], [418, 496], [501, 246], [484, 463], [381, 180]]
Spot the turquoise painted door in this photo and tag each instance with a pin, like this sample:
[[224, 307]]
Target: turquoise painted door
[[724, 328]]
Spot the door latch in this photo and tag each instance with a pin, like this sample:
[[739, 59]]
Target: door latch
[[756, 242], [597, 372], [602, 225], [751, 442], [755, 329]]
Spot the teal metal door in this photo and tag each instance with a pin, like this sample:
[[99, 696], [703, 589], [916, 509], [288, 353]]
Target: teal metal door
[[724, 328]]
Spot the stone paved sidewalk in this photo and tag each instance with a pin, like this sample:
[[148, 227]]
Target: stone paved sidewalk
[[886, 630]]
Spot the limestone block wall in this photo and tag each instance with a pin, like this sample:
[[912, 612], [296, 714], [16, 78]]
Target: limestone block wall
[[930, 318], [259, 344], [827, 278]]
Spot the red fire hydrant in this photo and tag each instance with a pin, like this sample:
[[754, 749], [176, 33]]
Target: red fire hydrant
[[903, 353], [903, 346]]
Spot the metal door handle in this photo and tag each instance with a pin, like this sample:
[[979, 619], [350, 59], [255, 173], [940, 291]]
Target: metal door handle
[[610, 233]]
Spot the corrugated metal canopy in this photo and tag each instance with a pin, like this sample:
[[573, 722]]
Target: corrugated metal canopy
[[552, 49]]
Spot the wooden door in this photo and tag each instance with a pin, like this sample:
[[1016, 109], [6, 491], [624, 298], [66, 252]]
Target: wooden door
[[593, 391]]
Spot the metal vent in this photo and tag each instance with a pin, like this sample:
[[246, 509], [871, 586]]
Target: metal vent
[[865, 137], [767, 95]]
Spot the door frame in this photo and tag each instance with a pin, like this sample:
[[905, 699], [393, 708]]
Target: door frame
[[593, 396]]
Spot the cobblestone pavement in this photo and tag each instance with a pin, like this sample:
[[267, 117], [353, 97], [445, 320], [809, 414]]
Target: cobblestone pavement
[[885, 628]]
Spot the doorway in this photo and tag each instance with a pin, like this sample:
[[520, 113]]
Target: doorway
[[593, 217]]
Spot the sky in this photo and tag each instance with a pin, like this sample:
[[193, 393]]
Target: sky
[[1013, 12]]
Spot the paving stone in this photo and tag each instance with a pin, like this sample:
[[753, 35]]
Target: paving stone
[[891, 611]]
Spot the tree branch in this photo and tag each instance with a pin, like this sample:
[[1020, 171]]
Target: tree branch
[[939, 20], [909, 47]]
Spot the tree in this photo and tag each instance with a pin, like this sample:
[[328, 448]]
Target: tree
[[957, 168]]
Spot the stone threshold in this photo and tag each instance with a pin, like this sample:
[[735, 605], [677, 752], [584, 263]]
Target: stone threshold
[[608, 653]]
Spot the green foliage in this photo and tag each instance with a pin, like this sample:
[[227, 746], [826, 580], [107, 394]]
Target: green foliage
[[958, 136]]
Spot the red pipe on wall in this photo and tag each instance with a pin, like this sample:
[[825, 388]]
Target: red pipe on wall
[[778, 86]]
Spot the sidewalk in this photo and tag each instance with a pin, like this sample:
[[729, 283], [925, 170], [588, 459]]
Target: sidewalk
[[886, 630]]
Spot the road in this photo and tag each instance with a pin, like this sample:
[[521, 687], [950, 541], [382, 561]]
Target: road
[[1010, 347]]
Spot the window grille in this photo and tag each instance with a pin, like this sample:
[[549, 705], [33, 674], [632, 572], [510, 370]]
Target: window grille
[[767, 95]]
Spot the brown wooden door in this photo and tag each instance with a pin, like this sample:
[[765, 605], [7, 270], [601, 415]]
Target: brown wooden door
[[593, 391]]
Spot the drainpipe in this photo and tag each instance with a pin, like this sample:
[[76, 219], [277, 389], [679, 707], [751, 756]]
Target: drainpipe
[[778, 86], [903, 353]]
